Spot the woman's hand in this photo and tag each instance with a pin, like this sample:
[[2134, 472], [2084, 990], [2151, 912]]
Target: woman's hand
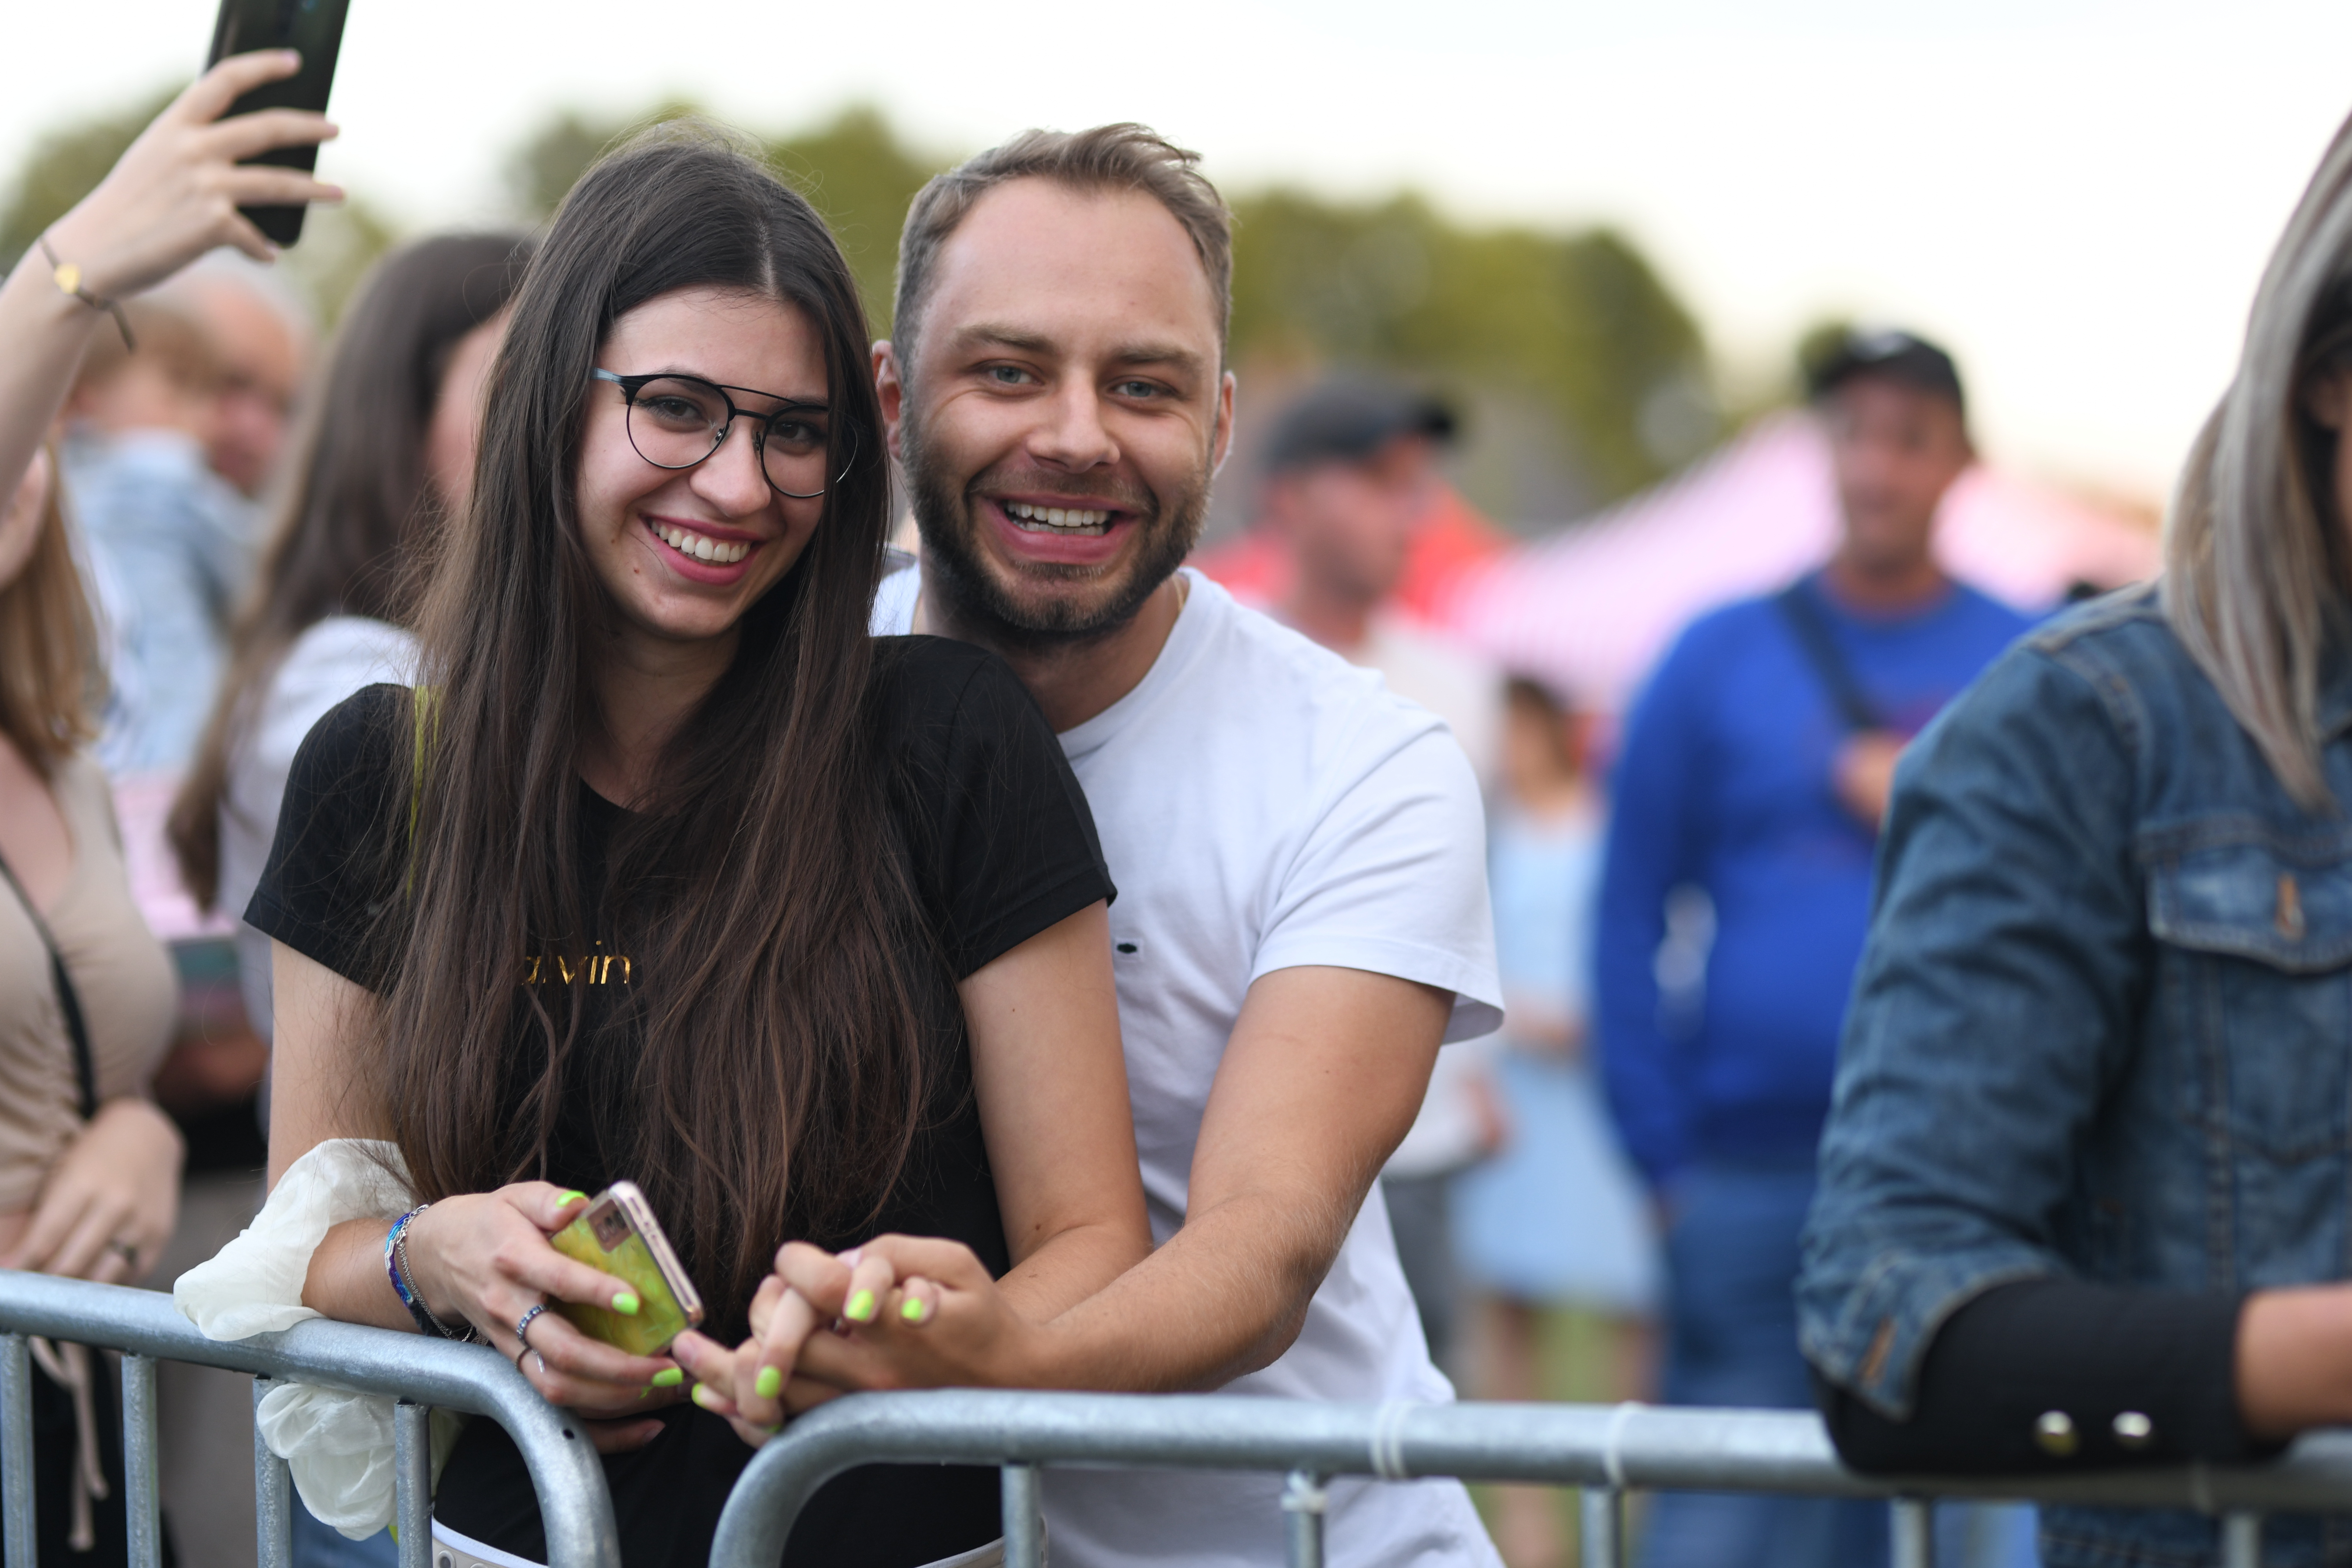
[[111, 1201], [483, 1259], [900, 1312], [174, 196]]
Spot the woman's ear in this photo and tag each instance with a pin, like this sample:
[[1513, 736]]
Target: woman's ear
[[2327, 397]]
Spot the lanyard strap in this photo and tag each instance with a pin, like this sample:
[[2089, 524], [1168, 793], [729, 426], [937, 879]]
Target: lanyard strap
[[68, 1000], [1812, 629]]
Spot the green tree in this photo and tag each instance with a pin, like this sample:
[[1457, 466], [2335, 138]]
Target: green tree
[[1579, 322]]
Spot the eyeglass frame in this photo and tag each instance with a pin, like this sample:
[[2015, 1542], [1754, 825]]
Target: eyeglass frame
[[632, 385]]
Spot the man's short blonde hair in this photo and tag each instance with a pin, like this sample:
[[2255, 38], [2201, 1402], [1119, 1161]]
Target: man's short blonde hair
[[1122, 157]]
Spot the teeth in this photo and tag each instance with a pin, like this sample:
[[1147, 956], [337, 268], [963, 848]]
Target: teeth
[[702, 546], [1068, 519]]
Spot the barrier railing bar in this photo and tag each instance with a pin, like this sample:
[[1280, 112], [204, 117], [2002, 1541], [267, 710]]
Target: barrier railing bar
[[2241, 1540], [273, 1496], [564, 1469], [23, 1543], [1911, 1531], [412, 1484], [1648, 1448], [1602, 1510], [142, 1498], [1303, 1502], [1024, 1518]]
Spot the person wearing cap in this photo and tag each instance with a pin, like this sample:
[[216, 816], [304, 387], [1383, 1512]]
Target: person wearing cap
[[1755, 768], [1349, 474]]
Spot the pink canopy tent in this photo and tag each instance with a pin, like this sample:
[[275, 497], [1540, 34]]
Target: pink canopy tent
[[1592, 608]]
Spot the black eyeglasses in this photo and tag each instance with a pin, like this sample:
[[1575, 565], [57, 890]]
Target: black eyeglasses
[[676, 422]]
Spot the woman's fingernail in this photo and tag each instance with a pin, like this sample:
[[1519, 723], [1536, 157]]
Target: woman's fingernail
[[860, 1309], [568, 1198], [770, 1380], [668, 1377], [703, 1396], [913, 1311], [625, 1303]]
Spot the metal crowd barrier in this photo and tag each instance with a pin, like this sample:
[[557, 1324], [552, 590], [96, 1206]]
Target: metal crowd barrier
[[419, 1373], [1608, 1450]]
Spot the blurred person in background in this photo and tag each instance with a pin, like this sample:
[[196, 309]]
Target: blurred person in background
[[2082, 1194], [261, 338], [385, 455], [172, 539], [1350, 474], [1755, 768], [107, 1184], [1554, 1223], [90, 1169]]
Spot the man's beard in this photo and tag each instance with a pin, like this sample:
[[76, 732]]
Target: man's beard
[[979, 603]]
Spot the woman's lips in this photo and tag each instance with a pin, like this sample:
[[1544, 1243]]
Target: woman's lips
[[702, 557]]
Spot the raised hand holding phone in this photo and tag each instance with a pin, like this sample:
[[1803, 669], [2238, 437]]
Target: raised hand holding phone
[[175, 192]]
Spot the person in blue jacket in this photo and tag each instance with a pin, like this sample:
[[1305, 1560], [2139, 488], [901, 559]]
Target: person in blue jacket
[[1754, 769]]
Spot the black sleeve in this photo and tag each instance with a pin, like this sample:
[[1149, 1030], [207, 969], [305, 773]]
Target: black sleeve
[[330, 876], [2140, 1378], [1005, 842]]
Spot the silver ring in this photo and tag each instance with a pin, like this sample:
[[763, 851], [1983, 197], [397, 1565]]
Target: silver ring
[[522, 1324]]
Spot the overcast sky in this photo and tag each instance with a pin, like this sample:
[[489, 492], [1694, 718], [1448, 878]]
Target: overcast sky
[[2076, 195]]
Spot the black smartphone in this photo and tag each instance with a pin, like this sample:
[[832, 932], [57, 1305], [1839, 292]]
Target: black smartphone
[[315, 28]]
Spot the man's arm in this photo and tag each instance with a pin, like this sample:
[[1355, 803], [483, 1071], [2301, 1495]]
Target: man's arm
[[1649, 852], [1324, 1072]]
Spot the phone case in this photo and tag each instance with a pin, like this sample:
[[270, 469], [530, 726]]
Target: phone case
[[617, 1233], [316, 28]]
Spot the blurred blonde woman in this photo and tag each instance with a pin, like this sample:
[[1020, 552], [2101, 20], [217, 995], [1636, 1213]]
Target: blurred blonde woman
[[2082, 1196], [90, 1169]]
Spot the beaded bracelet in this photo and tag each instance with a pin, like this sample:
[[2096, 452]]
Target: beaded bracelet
[[396, 1265]]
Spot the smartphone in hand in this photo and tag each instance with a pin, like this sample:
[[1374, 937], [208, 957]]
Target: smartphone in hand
[[617, 1233], [315, 30]]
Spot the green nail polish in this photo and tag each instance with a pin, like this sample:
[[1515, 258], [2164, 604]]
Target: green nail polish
[[913, 1311], [668, 1377], [646, 1391], [770, 1380], [569, 1197], [860, 1309], [702, 1395], [625, 1303]]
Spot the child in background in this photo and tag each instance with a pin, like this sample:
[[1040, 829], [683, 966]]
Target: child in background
[[1556, 1220]]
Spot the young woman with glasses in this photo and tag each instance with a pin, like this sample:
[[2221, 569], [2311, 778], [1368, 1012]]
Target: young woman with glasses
[[666, 871]]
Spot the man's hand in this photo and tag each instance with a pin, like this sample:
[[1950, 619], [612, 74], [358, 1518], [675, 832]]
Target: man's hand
[[1862, 774]]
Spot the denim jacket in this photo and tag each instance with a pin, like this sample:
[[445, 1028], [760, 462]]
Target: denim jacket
[[2103, 1027]]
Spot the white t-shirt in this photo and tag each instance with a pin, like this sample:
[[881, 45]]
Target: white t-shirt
[[328, 663], [1262, 805]]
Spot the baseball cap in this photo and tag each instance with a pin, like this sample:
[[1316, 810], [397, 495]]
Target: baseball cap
[[1350, 417], [1898, 355]]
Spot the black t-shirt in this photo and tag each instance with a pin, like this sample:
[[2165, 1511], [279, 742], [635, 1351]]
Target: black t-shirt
[[996, 833]]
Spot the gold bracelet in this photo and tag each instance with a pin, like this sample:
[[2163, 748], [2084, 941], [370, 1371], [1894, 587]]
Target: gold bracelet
[[67, 276]]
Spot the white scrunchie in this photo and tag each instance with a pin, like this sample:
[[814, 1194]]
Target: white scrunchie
[[339, 1446]]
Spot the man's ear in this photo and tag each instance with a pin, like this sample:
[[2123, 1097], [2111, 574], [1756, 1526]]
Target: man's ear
[[1221, 439], [891, 391], [2327, 399]]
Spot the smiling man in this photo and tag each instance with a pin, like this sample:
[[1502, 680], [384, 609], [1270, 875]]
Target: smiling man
[[1302, 916]]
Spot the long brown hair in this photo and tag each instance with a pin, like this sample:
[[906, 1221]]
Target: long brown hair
[[49, 650], [2254, 554], [762, 894], [347, 536]]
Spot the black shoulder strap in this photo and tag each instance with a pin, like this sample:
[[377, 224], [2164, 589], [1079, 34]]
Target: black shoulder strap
[[1812, 634], [68, 999]]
